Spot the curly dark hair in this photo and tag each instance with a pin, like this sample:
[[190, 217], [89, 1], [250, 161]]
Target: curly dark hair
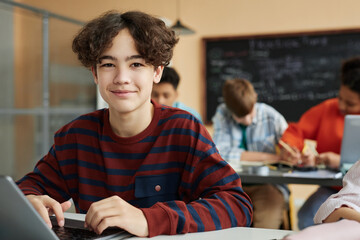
[[153, 40], [350, 74], [170, 75]]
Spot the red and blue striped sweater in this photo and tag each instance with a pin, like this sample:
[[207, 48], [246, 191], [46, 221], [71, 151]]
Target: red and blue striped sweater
[[172, 171]]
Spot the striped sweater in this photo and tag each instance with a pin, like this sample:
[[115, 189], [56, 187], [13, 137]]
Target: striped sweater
[[172, 171]]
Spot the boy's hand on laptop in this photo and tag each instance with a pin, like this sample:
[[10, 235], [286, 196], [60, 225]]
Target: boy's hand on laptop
[[330, 159], [116, 212], [47, 206]]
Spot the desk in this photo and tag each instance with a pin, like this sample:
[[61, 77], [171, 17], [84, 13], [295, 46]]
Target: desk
[[276, 177], [230, 233]]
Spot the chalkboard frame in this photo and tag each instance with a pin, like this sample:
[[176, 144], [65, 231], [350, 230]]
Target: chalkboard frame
[[219, 39]]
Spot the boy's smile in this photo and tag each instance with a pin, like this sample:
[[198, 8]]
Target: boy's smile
[[122, 93]]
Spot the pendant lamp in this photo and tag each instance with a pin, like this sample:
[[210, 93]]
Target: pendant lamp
[[178, 27]]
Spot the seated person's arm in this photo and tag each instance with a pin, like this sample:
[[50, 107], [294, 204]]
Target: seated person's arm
[[306, 128], [345, 203], [259, 157], [343, 212]]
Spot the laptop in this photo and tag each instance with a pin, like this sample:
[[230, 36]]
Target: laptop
[[19, 220], [350, 145]]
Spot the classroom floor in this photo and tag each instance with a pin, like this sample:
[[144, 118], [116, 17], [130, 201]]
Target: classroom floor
[[299, 193]]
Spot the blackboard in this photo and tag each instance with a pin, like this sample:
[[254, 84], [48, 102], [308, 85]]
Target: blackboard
[[291, 72]]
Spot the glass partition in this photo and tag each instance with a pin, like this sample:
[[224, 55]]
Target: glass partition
[[71, 84], [43, 86], [7, 59]]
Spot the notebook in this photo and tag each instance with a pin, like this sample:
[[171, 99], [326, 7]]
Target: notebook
[[19, 220], [350, 147]]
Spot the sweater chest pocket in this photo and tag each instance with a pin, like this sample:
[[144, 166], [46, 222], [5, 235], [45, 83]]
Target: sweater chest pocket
[[156, 188]]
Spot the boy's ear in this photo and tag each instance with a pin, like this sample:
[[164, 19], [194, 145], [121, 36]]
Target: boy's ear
[[158, 73], [93, 71]]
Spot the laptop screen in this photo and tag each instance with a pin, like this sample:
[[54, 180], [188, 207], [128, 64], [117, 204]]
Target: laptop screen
[[350, 145], [18, 219]]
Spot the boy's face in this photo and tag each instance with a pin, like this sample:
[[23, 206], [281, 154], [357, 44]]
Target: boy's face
[[164, 93], [245, 120], [125, 81]]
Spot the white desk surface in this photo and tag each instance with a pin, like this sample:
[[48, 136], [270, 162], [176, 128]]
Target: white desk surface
[[230, 233]]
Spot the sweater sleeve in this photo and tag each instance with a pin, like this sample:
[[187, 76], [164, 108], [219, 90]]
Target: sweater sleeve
[[45, 179], [306, 128], [211, 197]]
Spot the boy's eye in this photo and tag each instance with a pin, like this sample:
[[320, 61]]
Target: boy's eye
[[137, 64], [107, 65]]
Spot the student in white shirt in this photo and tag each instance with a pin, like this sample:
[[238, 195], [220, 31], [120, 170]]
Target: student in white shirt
[[340, 213], [345, 203]]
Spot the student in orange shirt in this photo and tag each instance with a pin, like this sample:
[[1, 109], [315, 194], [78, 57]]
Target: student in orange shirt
[[324, 123]]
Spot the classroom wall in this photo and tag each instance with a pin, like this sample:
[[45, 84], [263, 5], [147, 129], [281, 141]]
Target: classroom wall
[[218, 18]]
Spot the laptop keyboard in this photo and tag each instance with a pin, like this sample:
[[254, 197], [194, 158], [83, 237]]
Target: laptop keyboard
[[65, 233], [74, 230]]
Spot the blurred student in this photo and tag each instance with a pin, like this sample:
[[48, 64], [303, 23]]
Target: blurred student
[[245, 130], [344, 204], [137, 165], [165, 92], [324, 123], [339, 215]]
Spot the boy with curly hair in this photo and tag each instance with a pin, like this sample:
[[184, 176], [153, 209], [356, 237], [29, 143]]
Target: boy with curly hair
[[145, 168]]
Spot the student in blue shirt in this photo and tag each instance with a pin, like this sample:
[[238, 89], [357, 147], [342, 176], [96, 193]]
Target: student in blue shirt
[[245, 130], [165, 92]]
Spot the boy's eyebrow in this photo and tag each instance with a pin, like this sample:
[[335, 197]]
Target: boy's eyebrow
[[114, 58], [133, 57], [106, 57]]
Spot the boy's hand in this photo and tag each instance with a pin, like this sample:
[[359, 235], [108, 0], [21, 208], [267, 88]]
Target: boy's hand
[[116, 212], [47, 206]]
